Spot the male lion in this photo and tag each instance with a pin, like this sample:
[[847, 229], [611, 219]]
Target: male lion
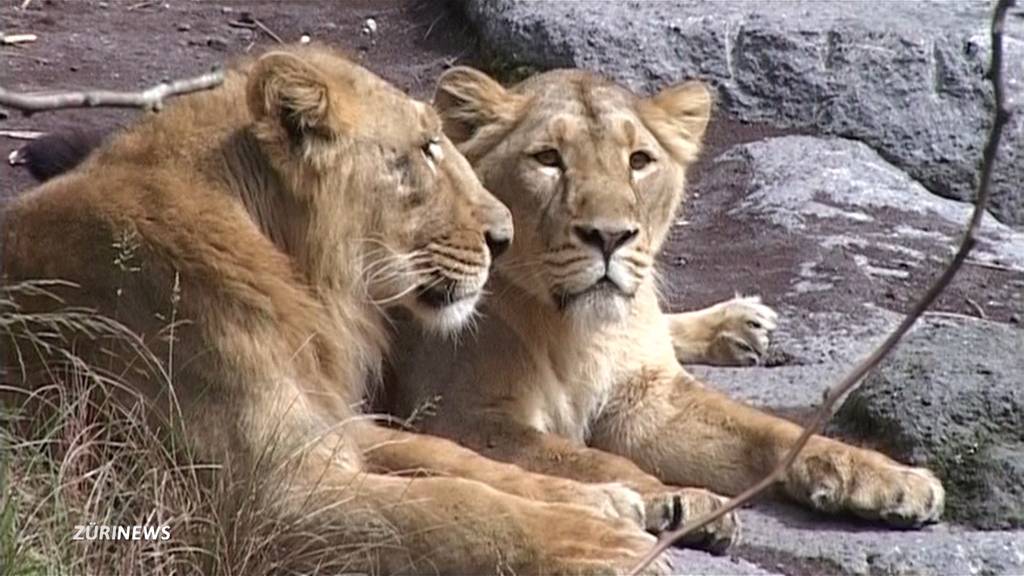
[[571, 370], [279, 217]]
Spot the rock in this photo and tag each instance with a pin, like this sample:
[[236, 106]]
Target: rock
[[951, 397], [217, 42], [793, 540], [685, 562], [906, 80], [840, 241]]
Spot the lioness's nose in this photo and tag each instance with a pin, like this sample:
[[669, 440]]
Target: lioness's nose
[[604, 239]]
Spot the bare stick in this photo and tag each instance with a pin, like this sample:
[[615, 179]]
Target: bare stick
[[268, 31], [15, 39], [151, 98], [1001, 116], [22, 134], [977, 308]]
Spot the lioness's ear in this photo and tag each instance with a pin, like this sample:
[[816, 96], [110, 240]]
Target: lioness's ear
[[468, 99], [678, 115], [285, 90]]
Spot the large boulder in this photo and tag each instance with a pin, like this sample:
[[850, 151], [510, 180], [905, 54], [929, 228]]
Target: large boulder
[[951, 397], [839, 239], [907, 78]]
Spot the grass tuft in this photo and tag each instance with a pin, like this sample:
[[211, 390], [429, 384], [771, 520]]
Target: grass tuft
[[80, 448]]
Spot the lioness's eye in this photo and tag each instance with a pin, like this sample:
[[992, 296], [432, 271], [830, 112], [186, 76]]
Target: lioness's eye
[[550, 158], [639, 160], [433, 151]]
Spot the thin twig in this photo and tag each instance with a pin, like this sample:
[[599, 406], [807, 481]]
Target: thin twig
[[953, 315], [994, 266], [976, 307], [1000, 118], [432, 24], [15, 39], [268, 31], [151, 98], [22, 134]]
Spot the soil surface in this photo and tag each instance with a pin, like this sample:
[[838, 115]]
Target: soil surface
[[133, 44]]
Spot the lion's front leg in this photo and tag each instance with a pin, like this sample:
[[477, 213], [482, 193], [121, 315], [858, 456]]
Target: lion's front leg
[[392, 451], [457, 526], [690, 435], [735, 332], [664, 507]]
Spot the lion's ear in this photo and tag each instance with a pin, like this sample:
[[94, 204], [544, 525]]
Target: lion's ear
[[679, 115], [468, 99], [292, 94]]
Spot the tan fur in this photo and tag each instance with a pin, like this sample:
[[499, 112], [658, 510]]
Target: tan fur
[[279, 218], [731, 333], [588, 386]]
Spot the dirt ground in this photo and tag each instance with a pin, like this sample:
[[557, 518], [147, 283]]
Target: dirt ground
[[129, 44]]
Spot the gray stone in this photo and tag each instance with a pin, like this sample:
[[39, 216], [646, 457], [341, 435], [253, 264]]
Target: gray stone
[[841, 242], [904, 77], [795, 541], [684, 562], [951, 397]]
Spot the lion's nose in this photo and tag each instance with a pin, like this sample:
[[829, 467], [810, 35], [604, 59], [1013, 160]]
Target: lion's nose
[[498, 241], [604, 239]]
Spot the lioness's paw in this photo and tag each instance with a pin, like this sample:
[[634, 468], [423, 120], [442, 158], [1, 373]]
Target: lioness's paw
[[870, 485], [673, 509], [899, 495], [742, 331]]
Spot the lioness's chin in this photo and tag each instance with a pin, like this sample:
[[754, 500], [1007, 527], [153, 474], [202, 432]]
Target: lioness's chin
[[598, 306], [446, 318]]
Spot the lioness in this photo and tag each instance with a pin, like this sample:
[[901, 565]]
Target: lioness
[[571, 369], [281, 216]]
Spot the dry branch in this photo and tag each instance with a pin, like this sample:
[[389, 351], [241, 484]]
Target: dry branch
[[1000, 117], [14, 39], [150, 98]]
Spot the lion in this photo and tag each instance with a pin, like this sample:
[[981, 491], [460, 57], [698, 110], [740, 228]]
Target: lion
[[278, 220], [572, 369]]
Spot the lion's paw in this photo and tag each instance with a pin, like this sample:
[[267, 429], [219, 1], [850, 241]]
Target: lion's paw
[[673, 509], [575, 540], [615, 500], [742, 331]]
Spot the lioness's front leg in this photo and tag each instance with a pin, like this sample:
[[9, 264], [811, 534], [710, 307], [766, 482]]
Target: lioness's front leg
[[735, 332], [499, 436], [687, 434]]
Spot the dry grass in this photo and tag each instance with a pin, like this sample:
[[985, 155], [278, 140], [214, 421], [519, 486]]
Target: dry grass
[[79, 450]]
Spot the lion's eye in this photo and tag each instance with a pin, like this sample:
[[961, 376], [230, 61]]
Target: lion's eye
[[550, 158], [432, 151], [639, 160]]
